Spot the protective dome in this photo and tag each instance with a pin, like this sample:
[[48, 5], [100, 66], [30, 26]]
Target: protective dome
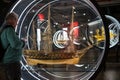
[[65, 39]]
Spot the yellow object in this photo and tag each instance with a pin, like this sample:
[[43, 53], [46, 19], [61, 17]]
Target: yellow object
[[101, 37], [75, 58], [51, 62]]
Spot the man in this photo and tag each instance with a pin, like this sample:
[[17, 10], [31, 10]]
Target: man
[[13, 46]]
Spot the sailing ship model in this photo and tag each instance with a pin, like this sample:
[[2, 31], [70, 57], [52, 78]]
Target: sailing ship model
[[48, 55]]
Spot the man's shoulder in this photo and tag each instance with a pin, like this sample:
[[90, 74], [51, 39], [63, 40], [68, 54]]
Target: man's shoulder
[[8, 28]]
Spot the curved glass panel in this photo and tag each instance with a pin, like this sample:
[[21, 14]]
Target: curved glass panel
[[114, 27], [65, 39]]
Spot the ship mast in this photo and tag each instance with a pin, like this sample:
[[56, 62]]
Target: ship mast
[[71, 47], [34, 36], [48, 35]]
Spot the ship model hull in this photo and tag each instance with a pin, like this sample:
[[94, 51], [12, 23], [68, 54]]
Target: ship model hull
[[35, 57]]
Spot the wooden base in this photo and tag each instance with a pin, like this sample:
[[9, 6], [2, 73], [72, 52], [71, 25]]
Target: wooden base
[[51, 62]]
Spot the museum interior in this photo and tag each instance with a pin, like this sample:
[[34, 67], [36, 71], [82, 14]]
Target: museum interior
[[67, 39]]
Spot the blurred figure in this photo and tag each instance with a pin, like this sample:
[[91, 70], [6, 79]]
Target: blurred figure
[[13, 46]]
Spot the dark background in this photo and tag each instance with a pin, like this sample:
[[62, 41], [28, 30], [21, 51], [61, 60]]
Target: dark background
[[5, 6], [112, 9]]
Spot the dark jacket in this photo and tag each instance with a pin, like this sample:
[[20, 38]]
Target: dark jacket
[[13, 44]]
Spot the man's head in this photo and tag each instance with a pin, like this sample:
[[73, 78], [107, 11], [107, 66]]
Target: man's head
[[11, 19]]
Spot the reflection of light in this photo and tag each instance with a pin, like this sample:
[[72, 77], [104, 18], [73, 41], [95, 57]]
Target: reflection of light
[[15, 5], [75, 12], [73, 7], [68, 22], [82, 25], [65, 34], [75, 32], [65, 29], [88, 20], [84, 38], [38, 38], [91, 32], [86, 67], [79, 65], [113, 20], [33, 10], [60, 36], [84, 14], [56, 23], [55, 40], [22, 79], [95, 22]]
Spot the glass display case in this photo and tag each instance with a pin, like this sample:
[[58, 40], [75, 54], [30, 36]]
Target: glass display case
[[65, 39]]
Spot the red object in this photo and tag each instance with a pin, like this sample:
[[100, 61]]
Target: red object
[[41, 17], [76, 32], [74, 24]]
